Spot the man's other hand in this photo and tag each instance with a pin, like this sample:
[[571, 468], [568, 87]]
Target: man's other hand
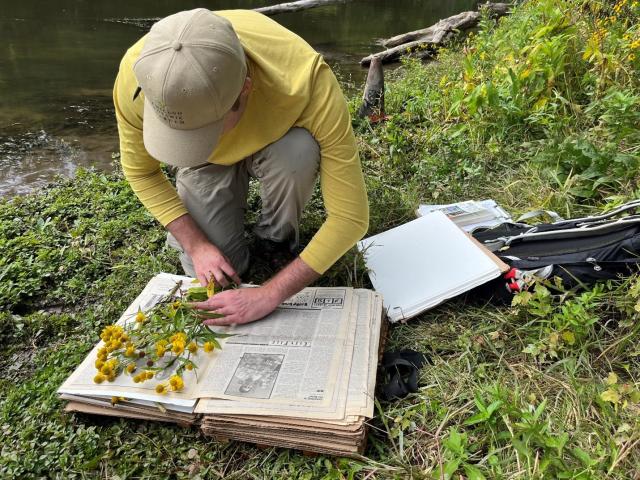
[[239, 306], [208, 260]]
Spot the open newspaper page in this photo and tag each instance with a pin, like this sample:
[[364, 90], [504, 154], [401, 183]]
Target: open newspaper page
[[356, 377], [81, 383], [290, 356]]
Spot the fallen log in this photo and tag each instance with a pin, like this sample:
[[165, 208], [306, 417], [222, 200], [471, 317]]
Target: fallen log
[[457, 22], [294, 6], [423, 46], [146, 23], [462, 21], [424, 41]]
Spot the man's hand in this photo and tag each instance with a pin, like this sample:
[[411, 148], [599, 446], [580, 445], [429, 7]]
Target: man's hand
[[242, 305], [245, 305], [209, 261]]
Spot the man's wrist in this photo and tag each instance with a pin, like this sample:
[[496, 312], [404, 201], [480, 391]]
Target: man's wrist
[[274, 296], [189, 235], [289, 281]]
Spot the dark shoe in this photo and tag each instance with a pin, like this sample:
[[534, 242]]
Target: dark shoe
[[276, 255]]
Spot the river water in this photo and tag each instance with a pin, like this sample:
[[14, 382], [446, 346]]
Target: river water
[[58, 61]]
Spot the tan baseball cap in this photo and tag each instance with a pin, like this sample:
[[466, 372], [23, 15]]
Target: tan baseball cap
[[191, 70]]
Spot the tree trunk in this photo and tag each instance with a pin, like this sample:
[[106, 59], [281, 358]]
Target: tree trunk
[[373, 99]]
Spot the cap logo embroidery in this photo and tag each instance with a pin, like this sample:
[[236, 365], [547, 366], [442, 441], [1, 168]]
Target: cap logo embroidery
[[172, 118]]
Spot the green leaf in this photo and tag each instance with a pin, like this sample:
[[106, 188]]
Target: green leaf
[[521, 448], [583, 456], [473, 472], [610, 395], [477, 418], [454, 442], [451, 467]]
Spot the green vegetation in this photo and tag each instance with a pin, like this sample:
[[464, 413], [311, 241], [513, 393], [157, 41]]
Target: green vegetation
[[540, 110]]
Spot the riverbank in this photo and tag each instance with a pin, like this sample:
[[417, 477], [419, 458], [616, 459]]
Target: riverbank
[[540, 111]]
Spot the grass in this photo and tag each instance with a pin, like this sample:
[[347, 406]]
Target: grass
[[537, 111]]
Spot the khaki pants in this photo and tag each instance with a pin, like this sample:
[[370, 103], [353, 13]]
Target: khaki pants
[[216, 196]]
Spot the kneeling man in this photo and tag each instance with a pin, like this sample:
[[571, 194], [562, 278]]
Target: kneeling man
[[223, 97]]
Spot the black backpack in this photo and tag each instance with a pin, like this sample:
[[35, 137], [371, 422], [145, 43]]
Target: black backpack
[[579, 251]]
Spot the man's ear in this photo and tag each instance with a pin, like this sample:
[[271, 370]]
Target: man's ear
[[246, 88]]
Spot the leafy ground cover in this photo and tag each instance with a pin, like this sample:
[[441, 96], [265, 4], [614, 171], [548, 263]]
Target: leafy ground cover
[[539, 110]]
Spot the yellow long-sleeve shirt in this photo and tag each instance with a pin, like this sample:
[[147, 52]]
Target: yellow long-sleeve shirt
[[292, 87]]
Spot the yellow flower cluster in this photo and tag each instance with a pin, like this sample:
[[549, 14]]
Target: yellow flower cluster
[[114, 337], [175, 385], [107, 369], [161, 348], [143, 376], [599, 35], [178, 342], [619, 6]]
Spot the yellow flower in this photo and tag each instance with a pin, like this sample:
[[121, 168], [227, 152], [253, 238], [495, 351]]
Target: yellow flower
[[632, 57], [148, 375], [178, 347], [189, 366], [211, 287], [193, 347], [105, 369], [115, 400], [176, 383], [99, 378], [161, 388], [111, 377], [130, 351], [111, 331], [161, 348], [99, 363], [178, 337], [140, 316], [138, 379], [131, 368], [208, 347]]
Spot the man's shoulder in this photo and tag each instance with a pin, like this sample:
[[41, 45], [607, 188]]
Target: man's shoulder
[[132, 53], [261, 35]]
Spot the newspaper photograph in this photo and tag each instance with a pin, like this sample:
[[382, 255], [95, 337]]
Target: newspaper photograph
[[255, 375]]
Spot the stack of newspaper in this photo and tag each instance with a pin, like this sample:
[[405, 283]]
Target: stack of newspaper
[[470, 214], [303, 377]]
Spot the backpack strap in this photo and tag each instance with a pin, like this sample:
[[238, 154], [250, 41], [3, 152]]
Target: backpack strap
[[536, 213]]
